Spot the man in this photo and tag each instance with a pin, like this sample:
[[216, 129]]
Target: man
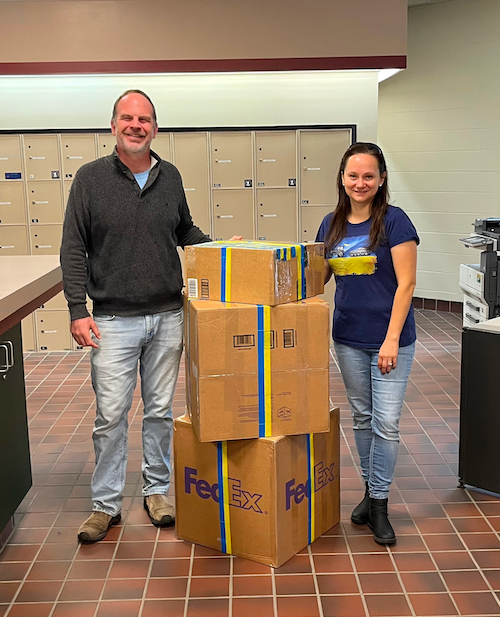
[[126, 215]]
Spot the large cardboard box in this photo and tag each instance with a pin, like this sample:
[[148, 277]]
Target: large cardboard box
[[253, 498], [255, 272], [257, 371]]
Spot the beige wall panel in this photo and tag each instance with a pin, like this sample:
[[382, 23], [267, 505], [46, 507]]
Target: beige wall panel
[[233, 214], [44, 202], [45, 239], [28, 333], [14, 240], [161, 145], [52, 330], [310, 220], [191, 159], [56, 302], [231, 160], [41, 154], [12, 207], [10, 156], [39, 31], [320, 156], [106, 143], [277, 215], [76, 150], [276, 158]]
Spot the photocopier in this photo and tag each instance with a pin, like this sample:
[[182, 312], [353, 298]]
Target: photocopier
[[481, 282]]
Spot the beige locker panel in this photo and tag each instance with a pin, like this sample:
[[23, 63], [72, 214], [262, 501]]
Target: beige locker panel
[[56, 302], [231, 160], [53, 330], [76, 150], [12, 208], [233, 214], [277, 215], [276, 159], [191, 159], [28, 333], [66, 189], [320, 156], [161, 145], [42, 157], [44, 202], [45, 239], [106, 143], [311, 218], [10, 157], [14, 240]]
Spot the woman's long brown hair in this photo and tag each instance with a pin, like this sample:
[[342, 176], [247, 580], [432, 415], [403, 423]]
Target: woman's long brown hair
[[378, 208]]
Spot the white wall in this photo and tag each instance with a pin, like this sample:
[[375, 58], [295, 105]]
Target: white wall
[[196, 100], [439, 124]]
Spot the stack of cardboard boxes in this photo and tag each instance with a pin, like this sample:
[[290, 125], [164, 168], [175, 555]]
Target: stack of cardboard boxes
[[256, 458]]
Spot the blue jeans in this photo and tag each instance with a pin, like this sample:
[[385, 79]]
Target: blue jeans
[[155, 343], [376, 402]]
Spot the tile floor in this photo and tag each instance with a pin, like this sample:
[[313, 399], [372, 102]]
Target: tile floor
[[446, 561]]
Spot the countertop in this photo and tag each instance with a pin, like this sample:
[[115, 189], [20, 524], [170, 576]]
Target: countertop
[[26, 282]]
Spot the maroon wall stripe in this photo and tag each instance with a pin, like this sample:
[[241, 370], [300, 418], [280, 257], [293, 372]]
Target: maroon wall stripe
[[203, 66]]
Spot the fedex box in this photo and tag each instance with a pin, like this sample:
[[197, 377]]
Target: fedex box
[[257, 371], [261, 499], [254, 272]]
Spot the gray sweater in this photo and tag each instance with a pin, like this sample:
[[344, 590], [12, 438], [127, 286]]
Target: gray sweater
[[120, 242]]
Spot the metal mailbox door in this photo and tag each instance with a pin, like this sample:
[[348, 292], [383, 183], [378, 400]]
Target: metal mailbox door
[[106, 143], [277, 215], [45, 239], [11, 165], [41, 154], [191, 159], [53, 330], [276, 159], [320, 156], [76, 150], [13, 240], [233, 214], [232, 160], [311, 218], [12, 208], [44, 202], [161, 145]]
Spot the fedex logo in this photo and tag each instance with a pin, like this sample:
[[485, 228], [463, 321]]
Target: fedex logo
[[323, 475], [238, 498]]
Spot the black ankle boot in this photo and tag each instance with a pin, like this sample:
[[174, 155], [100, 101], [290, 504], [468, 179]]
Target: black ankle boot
[[361, 512], [378, 522]]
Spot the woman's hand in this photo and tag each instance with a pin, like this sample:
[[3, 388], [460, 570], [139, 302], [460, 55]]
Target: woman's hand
[[388, 356]]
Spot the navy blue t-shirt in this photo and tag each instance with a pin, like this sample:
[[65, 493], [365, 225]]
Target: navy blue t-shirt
[[366, 281]]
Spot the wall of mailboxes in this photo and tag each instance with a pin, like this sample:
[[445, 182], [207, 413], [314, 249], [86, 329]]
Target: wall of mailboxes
[[274, 185]]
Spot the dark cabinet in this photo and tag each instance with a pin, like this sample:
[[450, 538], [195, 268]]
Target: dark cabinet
[[15, 466]]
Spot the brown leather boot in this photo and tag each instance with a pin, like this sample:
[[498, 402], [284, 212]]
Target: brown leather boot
[[160, 510], [96, 527]]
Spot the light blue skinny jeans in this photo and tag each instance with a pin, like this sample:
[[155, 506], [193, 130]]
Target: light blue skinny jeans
[[154, 342], [376, 402]]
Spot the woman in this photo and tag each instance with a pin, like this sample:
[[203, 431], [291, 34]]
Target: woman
[[371, 248]]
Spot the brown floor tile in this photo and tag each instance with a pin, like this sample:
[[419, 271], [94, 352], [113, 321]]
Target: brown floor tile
[[475, 541], [117, 608], [25, 552], [432, 604], [8, 591], [49, 570], [487, 559], [422, 581], [130, 589], [245, 566], [295, 565], [252, 586], [339, 606], [381, 605], [465, 581], [81, 590], [82, 570], [31, 610], [74, 609], [250, 607], [477, 603], [208, 608], [166, 550], [211, 566], [337, 584], [134, 550], [163, 608], [332, 563], [289, 584], [170, 567], [13, 571], [37, 591], [418, 562], [373, 563], [210, 586], [379, 583], [166, 588], [456, 560], [299, 607]]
